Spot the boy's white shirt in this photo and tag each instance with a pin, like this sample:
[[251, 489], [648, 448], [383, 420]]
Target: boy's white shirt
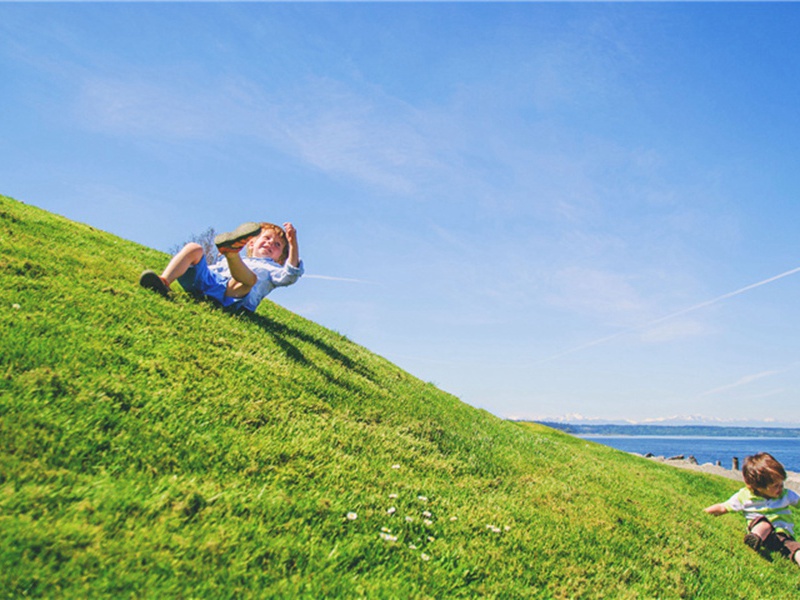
[[777, 510]]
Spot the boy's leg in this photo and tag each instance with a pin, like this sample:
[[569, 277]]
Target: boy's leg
[[760, 530], [188, 256], [242, 278], [789, 547]]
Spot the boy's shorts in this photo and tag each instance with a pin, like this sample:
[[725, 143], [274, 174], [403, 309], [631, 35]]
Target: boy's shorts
[[200, 281]]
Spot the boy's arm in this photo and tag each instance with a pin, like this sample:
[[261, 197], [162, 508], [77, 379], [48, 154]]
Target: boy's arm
[[294, 251], [716, 509]]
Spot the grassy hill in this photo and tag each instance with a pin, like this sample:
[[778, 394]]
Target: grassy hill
[[164, 449]]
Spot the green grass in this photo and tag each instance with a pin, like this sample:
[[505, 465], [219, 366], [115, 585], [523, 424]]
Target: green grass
[[164, 449]]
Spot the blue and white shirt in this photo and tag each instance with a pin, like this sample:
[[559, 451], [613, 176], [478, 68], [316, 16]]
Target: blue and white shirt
[[269, 273]]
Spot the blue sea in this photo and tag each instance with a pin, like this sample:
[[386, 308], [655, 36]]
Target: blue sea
[[707, 449]]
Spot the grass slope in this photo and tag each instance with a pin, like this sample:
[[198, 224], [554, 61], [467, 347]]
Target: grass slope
[[164, 449]]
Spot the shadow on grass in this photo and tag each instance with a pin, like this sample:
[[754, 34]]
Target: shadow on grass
[[282, 334]]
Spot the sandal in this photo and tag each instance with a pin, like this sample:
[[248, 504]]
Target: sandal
[[234, 241]]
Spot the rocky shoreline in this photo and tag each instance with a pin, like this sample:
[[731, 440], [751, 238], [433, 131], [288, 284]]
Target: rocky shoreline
[[792, 479]]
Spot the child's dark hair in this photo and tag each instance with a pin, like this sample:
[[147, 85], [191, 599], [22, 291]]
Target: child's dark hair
[[281, 234], [762, 470]]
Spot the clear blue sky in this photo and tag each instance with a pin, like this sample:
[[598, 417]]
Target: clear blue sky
[[544, 209]]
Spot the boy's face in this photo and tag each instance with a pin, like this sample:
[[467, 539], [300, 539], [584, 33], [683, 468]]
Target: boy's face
[[268, 244], [774, 490]]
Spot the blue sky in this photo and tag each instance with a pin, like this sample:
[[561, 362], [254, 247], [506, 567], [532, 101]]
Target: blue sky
[[544, 209]]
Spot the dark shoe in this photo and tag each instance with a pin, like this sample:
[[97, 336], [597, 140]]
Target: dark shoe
[[235, 240], [752, 540], [151, 281]]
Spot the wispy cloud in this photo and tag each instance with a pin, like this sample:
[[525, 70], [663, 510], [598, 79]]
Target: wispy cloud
[[674, 315], [746, 380], [330, 125], [596, 292]]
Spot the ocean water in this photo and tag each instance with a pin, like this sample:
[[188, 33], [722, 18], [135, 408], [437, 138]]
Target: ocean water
[[707, 449]]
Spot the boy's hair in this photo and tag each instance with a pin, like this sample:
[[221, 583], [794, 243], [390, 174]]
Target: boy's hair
[[762, 470], [281, 234]]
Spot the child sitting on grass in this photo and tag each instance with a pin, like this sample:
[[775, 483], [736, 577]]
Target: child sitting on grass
[[766, 506], [236, 283]]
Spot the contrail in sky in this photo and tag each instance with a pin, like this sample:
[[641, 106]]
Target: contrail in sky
[[672, 315], [329, 278]]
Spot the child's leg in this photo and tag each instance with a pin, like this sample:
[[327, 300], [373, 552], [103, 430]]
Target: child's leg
[[242, 278], [188, 256], [789, 547], [760, 530]]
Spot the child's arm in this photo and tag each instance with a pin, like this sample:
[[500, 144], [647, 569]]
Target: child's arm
[[294, 251], [716, 509]]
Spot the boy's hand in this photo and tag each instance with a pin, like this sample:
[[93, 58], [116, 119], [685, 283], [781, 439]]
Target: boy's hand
[[716, 510], [291, 233], [291, 237]]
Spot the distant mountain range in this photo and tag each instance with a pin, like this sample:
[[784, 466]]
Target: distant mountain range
[[675, 420], [644, 429]]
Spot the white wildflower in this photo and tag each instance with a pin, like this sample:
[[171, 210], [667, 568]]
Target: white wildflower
[[427, 513], [351, 516], [392, 496], [388, 538], [428, 522], [431, 538], [391, 510], [386, 530], [16, 306], [409, 519], [412, 547], [422, 498], [424, 556], [454, 518], [507, 528], [395, 466]]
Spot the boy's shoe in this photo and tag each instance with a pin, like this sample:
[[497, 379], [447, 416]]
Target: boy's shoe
[[150, 280], [752, 540], [234, 241]]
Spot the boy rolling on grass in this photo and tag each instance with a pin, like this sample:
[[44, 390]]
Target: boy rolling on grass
[[766, 506], [236, 283]]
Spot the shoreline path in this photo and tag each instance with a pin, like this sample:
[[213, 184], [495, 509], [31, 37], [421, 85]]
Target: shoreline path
[[792, 479]]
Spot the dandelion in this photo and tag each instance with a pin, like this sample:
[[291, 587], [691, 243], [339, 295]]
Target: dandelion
[[391, 510], [351, 516], [424, 556], [422, 498], [427, 514]]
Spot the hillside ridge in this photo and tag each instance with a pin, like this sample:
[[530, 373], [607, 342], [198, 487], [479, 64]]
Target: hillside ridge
[[163, 448]]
